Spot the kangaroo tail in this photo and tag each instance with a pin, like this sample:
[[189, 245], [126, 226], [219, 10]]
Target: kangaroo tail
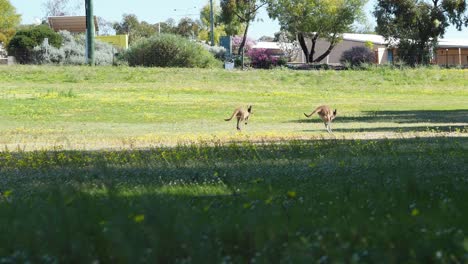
[[233, 114], [311, 113]]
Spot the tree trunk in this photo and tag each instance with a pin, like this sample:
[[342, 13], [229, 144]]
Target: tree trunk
[[330, 48], [312, 49], [241, 47], [305, 50], [244, 39], [325, 54]]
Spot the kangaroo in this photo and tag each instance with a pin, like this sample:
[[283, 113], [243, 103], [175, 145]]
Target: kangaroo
[[241, 115], [325, 114]]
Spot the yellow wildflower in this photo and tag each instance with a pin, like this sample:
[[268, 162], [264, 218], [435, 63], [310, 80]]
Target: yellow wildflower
[[139, 218]]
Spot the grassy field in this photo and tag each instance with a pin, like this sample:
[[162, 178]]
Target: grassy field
[[136, 165], [95, 108]]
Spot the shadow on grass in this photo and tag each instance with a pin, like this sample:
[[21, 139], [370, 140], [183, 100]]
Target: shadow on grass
[[294, 200], [399, 129], [228, 164], [400, 117]]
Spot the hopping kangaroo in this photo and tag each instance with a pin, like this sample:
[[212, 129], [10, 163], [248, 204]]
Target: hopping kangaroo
[[241, 115], [325, 114]]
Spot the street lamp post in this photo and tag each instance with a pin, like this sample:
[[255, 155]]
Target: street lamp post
[[89, 32], [211, 23]]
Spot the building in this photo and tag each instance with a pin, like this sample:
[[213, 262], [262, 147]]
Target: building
[[448, 52], [452, 53], [383, 53]]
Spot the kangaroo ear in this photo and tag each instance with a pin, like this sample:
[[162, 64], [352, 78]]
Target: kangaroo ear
[[334, 112], [250, 108]]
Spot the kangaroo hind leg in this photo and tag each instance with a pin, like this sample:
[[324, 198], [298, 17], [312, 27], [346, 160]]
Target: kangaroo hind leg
[[329, 128]]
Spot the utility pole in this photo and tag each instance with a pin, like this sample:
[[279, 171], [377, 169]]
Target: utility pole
[[90, 31], [212, 23]]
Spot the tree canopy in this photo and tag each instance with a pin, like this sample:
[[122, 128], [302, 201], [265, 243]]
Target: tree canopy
[[418, 24], [188, 27], [204, 33], [9, 20], [316, 19], [134, 28], [235, 12], [62, 7]]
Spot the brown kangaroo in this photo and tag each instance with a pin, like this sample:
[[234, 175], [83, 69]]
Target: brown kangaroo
[[241, 115], [325, 114]]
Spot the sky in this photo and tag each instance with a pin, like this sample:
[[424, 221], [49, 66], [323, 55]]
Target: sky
[[161, 10]]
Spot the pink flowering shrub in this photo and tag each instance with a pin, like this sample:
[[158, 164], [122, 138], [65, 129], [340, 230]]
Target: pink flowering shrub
[[262, 59]]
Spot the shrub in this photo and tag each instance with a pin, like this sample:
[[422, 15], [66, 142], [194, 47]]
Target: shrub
[[262, 59], [168, 50], [24, 41], [356, 56], [217, 51], [72, 52]]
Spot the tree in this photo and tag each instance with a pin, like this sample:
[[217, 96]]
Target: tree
[[62, 7], [169, 26], [105, 27], [135, 30], [266, 38], [243, 12], [188, 27], [316, 19], [205, 30], [9, 20], [418, 24]]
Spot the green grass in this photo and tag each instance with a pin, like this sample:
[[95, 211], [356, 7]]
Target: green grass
[[136, 165], [93, 108], [376, 201]]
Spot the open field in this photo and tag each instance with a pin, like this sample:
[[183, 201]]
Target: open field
[[94, 108], [132, 165]]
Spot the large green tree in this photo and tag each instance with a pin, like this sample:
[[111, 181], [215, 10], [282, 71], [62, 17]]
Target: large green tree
[[205, 20], [234, 27], [9, 20], [235, 12], [168, 26], [418, 24], [316, 19]]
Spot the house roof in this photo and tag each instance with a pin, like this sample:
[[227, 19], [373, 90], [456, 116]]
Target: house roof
[[74, 24], [376, 39], [453, 43], [266, 45], [271, 45]]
